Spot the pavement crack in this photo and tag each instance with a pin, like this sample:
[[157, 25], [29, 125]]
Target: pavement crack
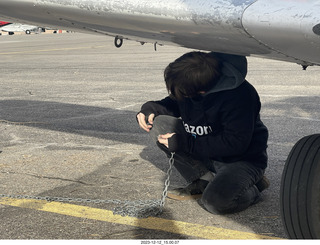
[[49, 177], [21, 123]]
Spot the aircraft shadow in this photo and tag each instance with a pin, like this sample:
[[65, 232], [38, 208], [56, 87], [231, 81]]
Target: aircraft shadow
[[71, 118], [96, 122], [120, 125]]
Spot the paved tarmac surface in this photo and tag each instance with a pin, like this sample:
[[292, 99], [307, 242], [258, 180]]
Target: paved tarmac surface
[[67, 119]]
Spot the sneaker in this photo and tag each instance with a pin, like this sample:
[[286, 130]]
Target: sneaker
[[192, 191], [263, 183]]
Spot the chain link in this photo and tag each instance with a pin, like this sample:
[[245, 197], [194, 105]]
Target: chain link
[[139, 208]]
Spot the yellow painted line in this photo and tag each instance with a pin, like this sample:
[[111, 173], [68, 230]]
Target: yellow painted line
[[152, 223], [50, 50]]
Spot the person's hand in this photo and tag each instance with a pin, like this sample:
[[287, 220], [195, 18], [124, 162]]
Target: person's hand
[[145, 123], [163, 139]]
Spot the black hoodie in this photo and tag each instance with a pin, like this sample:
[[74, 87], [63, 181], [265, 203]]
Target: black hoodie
[[224, 123]]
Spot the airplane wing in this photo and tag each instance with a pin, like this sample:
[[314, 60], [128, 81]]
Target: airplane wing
[[287, 30]]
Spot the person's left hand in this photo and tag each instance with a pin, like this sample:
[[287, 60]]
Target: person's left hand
[[163, 139]]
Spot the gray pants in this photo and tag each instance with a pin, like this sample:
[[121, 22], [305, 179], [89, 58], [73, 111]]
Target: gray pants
[[233, 187]]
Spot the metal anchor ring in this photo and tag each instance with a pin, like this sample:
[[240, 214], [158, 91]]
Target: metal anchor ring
[[118, 41]]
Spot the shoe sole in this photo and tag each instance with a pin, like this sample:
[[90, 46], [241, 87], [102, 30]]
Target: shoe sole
[[183, 198], [263, 184]]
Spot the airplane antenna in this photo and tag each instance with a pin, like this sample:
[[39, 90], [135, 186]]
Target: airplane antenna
[[155, 45]]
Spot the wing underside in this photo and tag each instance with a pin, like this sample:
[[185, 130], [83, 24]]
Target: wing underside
[[284, 29]]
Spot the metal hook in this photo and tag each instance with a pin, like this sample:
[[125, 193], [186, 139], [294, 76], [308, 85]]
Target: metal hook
[[118, 41]]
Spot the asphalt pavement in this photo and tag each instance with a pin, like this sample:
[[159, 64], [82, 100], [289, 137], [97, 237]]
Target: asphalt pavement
[[68, 129]]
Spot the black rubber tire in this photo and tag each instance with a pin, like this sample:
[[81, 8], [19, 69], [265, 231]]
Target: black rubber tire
[[300, 190]]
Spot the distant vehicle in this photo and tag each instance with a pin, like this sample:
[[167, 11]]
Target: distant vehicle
[[11, 28]]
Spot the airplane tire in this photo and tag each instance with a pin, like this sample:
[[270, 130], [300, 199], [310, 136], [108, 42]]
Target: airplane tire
[[300, 190]]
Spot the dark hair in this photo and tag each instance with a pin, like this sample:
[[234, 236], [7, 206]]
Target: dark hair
[[192, 73]]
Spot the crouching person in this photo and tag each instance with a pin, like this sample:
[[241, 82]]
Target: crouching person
[[211, 120]]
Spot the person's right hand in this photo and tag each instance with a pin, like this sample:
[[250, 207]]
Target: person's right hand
[[145, 123]]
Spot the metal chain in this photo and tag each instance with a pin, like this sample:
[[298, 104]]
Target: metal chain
[[139, 208]]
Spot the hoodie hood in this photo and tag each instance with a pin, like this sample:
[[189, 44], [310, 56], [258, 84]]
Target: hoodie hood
[[233, 72]]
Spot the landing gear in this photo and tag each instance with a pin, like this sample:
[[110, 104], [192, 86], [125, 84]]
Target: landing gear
[[300, 190]]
